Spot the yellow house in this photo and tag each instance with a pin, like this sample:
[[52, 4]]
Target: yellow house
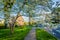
[[20, 21]]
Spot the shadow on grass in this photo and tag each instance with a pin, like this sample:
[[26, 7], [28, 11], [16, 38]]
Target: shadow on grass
[[18, 34], [43, 35]]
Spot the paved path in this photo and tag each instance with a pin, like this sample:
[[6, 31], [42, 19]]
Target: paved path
[[31, 35]]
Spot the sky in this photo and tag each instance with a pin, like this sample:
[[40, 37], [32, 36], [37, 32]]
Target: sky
[[55, 2]]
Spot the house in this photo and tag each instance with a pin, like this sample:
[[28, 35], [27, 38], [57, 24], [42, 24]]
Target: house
[[20, 21]]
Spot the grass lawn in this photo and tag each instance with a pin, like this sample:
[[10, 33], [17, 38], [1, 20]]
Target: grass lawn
[[18, 34], [43, 35]]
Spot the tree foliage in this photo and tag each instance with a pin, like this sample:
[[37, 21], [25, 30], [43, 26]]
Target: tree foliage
[[56, 15], [23, 5]]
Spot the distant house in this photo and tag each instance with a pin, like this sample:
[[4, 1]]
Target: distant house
[[20, 21]]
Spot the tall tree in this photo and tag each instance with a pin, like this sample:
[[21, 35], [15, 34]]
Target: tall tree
[[7, 8]]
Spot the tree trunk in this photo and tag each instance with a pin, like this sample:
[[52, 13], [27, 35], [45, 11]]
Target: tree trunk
[[29, 19], [6, 19], [12, 23], [5, 25]]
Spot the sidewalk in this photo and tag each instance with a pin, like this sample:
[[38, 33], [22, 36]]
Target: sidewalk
[[31, 35]]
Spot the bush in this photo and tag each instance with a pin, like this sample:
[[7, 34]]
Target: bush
[[1, 27]]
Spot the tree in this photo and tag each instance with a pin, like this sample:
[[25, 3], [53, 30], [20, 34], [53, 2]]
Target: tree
[[7, 8], [56, 15], [28, 4]]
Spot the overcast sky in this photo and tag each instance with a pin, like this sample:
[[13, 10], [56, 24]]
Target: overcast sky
[[55, 2]]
